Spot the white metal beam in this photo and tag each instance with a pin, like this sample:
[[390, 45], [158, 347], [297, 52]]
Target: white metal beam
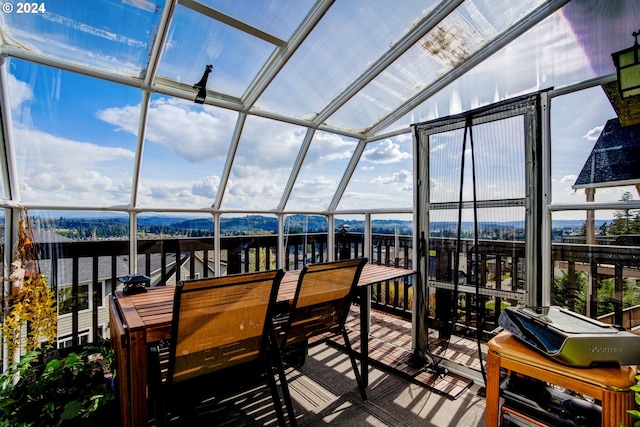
[[235, 23], [280, 57], [355, 158], [137, 164], [8, 156], [233, 148], [158, 42], [296, 168]]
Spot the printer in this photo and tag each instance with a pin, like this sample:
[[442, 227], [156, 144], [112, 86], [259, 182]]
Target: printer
[[571, 338]]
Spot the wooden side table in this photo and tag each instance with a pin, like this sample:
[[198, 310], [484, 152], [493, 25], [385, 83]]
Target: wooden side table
[[610, 385]]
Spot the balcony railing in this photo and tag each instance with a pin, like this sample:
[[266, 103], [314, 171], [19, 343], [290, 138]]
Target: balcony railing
[[83, 273]]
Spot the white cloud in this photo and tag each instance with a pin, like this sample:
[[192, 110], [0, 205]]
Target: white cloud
[[385, 151], [253, 187], [593, 134], [404, 178], [334, 147], [569, 178], [59, 169], [20, 93], [207, 187], [192, 132], [269, 143]]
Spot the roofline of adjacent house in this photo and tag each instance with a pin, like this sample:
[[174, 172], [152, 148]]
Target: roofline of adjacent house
[[608, 184]]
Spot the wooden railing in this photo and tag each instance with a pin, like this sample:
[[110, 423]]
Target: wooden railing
[[630, 318], [83, 273]]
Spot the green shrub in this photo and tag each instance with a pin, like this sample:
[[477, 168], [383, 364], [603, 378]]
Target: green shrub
[[52, 389]]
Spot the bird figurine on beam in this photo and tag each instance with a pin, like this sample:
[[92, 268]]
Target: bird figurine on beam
[[202, 85]]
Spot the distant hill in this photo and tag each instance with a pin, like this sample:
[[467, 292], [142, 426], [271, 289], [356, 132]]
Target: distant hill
[[262, 224]]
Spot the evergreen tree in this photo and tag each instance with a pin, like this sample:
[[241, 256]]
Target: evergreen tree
[[604, 229], [625, 221]]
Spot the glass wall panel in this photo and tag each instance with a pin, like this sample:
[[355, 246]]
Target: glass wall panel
[[248, 243], [322, 170], [262, 164], [74, 136], [577, 120], [184, 154], [102, 239], [349, 236], [392, 240], [175, 247], [383, 177], [305, 240], [598, 275]]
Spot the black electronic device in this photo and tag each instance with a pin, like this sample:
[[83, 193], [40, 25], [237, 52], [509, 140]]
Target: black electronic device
[[571, 338], [135, 284], [531, 402]]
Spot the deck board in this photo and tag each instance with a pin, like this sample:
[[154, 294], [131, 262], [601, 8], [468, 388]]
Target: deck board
[[390, 349]]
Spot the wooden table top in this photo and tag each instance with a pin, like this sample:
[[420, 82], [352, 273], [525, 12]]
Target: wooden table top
[[610, 377], [153, 309]]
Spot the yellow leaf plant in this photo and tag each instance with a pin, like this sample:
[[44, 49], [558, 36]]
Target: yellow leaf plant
[[31, 304]]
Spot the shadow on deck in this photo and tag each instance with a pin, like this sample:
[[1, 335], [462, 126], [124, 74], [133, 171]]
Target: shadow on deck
[[325, 392]]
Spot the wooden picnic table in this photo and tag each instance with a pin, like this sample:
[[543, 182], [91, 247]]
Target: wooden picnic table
[[141, 319]]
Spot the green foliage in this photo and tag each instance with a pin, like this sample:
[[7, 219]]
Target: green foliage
[[635, 414], [606, 295], [31, 311], [47, 389], [626, 221]]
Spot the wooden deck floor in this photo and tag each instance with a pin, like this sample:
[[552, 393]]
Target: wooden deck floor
[[325, 393], [390, 348]]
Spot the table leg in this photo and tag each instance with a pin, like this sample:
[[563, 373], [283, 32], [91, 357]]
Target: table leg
[[365, 313], [119, 343], [492, 403], [138, 375]]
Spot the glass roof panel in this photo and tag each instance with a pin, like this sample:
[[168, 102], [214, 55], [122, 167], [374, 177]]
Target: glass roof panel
[[326, 63], [194, 41], [112, 36], [457, 37], [69, 151], [321, 172], [564, 49], [277, 17], [182, 164], [263, 164], [383, 177]]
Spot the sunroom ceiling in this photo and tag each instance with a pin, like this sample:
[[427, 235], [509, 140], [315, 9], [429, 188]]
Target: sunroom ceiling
[[306, 98]]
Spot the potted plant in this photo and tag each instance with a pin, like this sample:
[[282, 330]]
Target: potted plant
[[59, 388]]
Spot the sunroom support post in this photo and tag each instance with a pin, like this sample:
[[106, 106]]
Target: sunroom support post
[[534, 212], [216, 244], [547, 262], [331, 238], [10, 236], [280, 249]]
